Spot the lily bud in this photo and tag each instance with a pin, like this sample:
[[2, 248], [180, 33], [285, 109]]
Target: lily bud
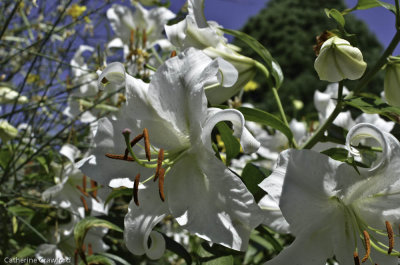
[[339, 60], [7, 131], [392, 81]]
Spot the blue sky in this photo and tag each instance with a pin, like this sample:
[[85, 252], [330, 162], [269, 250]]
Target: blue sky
[[234, 14]]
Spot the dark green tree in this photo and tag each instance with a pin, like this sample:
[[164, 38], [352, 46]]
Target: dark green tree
[[288, 29]]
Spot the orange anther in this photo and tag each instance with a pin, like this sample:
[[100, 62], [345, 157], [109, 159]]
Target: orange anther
[[147, 143], [356, 259], [390, 233], [84, 204], [119, 157], [84, 183], [367, 243], [159, 163], [82, 191], [133, 142], [161, 184], [173, 53], [136, 189]]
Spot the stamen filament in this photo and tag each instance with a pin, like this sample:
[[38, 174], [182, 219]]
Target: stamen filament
[[133, 142], [147, 143], [136, 189], [367, 243], [159, 163], [161, 184], [390, 236], [356, 259]]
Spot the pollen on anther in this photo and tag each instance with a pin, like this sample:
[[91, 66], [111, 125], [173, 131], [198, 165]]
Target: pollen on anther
[[356, 259], [144, 39], [390, 233], [147, 143], [136, 189], [119, 157], [159, 163], [93, 186], [367, 243], [133, 142], [161, 184], [84, 183], [132, 39], [90, 249], [173, 53], [84, 204]]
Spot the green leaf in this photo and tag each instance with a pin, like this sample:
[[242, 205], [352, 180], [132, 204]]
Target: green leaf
[[232, 144], [97, 259], [266, 118], [21, 211], [84, 225], [339, 154], [5, 157], [177, 248], [225, 260], [42, 161], [336, 15], [252, 175], [25, 252], [272, 65], [367, 4], [371, 104], [118, 193]]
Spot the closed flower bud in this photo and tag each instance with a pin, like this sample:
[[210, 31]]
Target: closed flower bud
[[339, 60], [392, 81], [7, 131]]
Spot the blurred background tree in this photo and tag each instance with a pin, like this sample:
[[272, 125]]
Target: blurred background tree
[[288, 29]]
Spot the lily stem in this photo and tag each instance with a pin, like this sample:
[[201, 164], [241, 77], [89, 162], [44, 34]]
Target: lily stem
[[320, 131], [381, 62], [264, 70]]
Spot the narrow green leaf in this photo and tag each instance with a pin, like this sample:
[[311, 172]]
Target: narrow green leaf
[[339, 154], [25, 252], [232, 144], [118, 193], [266, 118], [367, 4], [178, 249], [369, 103], [252, 175], [97, 259], [225, 260], [84, 225]]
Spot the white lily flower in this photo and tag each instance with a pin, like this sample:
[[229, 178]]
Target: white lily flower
[[72, 192], [334, 211], [125, 23], [7, 131], [338, 60], [195, 31], [82, 76], [197, 189]]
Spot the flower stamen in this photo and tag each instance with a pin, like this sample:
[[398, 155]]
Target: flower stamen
[[82, 190], [133, 142], [90, 249], [367, 243], [173, 53], [84, 183], [147, 144], [159, 163], [84, 204], [93, 186], [161, 184], [390, 233], [356, 259], [144, 38], [119, 157], [136, 189]]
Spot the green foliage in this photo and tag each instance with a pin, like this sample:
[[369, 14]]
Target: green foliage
[[287, 28]]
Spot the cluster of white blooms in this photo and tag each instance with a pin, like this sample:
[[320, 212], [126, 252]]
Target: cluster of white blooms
[[158, 142]]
